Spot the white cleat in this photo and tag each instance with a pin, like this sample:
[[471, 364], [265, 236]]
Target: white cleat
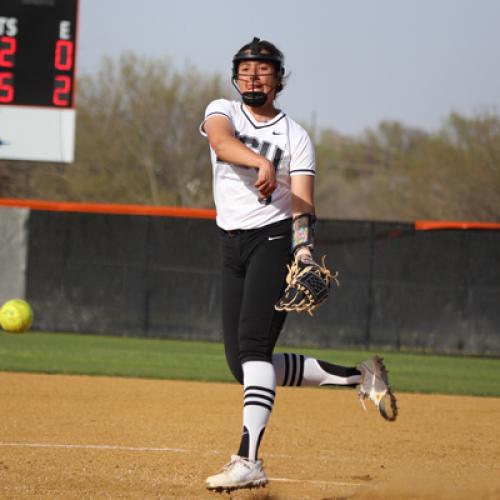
[[375, 386], [238, 473]]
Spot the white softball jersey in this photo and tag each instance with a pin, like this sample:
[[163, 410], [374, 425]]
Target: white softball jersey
[[282, 141]]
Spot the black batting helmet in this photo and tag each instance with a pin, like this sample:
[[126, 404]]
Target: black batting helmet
[[260, 50]]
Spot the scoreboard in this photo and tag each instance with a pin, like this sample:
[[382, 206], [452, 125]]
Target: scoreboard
[[37, 52], [37, 79]]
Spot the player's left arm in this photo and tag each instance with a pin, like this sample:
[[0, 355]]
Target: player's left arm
[[308, 283], [302, 188], [302, 175]]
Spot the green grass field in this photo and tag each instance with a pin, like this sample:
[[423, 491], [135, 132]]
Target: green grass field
[[185, 360]]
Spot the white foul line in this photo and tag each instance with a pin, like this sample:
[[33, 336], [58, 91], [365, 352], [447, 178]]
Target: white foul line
[[314, 481], [91, 447]]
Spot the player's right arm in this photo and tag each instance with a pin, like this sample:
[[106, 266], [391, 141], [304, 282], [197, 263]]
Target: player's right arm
[[228, 148]]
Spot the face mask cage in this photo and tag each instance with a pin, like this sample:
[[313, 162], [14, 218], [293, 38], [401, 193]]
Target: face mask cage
[[257, 51]]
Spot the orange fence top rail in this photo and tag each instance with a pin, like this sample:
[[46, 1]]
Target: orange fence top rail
[[109, 208], [426, 225], [198, 213]]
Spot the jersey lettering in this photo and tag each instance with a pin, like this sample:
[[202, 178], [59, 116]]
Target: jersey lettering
[[263, 148]]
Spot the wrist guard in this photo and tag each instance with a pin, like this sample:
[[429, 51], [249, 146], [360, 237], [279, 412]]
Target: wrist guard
[[303, 226]]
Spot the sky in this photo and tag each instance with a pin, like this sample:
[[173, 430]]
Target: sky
[[351, 63]]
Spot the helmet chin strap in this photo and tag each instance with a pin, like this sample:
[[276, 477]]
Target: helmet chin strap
[[254, 99]]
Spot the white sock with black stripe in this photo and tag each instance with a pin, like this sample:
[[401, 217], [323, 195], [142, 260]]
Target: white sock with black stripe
[[300, 370], [259, 381]]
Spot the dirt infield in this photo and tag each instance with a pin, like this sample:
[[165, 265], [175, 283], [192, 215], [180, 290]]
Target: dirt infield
[[92, 437]]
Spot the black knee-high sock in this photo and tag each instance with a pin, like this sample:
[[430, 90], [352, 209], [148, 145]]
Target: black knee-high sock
[[300, 370]]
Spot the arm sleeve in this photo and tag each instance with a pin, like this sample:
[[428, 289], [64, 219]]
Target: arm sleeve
[[221, 107], [303, 159]]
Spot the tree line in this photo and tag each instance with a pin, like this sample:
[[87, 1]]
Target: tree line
[[137, 141]]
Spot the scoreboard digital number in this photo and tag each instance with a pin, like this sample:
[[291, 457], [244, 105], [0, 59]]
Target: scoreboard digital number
[[37, 52]]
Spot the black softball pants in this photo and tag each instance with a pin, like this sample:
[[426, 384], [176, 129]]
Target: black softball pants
[[253, 278]]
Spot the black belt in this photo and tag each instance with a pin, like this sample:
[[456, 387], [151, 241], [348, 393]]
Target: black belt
[[237, 232]]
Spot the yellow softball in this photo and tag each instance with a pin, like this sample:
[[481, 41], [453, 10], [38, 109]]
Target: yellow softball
[[16, 316]]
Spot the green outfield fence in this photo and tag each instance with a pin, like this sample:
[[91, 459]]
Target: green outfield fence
[[129, 270]]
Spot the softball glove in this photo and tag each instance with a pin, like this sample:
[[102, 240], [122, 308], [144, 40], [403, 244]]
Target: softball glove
[[308, 286]]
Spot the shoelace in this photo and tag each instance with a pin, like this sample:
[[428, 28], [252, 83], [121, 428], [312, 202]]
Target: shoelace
[[232, 463]]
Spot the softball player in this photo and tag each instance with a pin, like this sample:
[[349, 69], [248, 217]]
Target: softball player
[[263, 179]]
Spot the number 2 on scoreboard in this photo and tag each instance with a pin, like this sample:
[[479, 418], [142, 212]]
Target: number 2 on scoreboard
[[62, 90]]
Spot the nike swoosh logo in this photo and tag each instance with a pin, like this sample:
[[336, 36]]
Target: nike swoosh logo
[[277, 133], [279, 237]]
